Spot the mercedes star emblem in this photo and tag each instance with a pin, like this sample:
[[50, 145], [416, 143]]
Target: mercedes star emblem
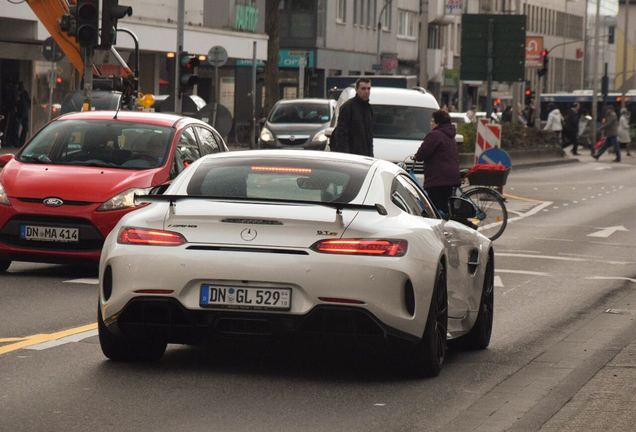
[[248, 234]]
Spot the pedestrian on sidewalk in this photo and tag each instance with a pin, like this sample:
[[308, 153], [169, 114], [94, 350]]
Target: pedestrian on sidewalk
[[585, 132], [624, 137], [354, 131], [571, 129], [610, 128], [555, 121], [23, 112], [439, 153]]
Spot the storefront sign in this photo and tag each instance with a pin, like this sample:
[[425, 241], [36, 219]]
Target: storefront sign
[[534, 48], [246, 17], [291, 58]]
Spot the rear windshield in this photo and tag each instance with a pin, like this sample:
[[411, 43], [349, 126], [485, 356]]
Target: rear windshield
[[103, 143], [300, 113], [401, 122], [283, 179]]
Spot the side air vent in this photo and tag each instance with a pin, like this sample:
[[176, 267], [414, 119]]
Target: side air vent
[[473, 261]]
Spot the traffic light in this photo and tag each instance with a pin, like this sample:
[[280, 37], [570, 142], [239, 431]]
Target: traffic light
[[86, 13], [610, 35], [187, 76], [546, 60], [528, 96], [111, 12], [604, 86]]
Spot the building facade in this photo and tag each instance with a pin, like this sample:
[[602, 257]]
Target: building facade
[[232, 24]]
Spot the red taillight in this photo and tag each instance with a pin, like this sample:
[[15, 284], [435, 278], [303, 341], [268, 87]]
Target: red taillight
[[141, 236], [393, 248]]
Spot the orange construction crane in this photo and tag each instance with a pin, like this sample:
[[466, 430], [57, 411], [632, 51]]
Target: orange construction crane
[[49, 13]]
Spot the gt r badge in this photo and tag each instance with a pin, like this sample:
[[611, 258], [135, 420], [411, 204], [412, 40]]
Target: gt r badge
[[248, 234], [326, 233], [52, 202]]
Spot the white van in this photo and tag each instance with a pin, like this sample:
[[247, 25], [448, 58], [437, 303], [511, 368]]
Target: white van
[[402, 118]]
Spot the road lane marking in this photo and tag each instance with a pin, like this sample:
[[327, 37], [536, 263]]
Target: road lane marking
[[87, 281], [520, 198], [562, 258], [607, 231], [522, 272], [498, 282], [553, 239], [11, 339], [611, 278], [40, 338], [68, 339]]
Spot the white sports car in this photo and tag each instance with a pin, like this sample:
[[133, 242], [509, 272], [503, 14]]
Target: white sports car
[[272, 243]]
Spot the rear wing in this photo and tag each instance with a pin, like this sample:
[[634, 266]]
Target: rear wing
[[172, 199]]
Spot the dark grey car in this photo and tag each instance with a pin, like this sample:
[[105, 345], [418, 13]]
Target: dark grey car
[[297, 123]]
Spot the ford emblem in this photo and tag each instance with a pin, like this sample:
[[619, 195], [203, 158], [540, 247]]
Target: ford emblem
[[52, 202]]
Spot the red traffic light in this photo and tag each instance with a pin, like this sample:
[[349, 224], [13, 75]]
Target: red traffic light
[[528, 92], [544, 53], [58, 80]]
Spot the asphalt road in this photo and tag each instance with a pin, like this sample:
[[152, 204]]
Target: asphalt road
[[565, 260]]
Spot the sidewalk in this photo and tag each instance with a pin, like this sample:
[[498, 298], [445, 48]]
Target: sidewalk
[[607, 402]]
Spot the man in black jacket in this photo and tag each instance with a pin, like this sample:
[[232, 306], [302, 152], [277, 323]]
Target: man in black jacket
[[354, 132]]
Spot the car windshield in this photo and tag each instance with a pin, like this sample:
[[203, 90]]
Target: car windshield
[[401, 122], [102, 143], [300, 113], [280, 179]]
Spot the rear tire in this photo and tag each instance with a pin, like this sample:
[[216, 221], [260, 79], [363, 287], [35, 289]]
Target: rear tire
[[124, 349], [492, 209], [425, 359], [478, 338], [4, 265]]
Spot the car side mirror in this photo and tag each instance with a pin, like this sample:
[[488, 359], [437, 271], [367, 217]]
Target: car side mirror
[[461, 208], [5, 159], [159, 189]]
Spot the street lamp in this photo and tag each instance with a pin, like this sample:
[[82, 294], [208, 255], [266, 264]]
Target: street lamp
[[382, 11], [565, 35]]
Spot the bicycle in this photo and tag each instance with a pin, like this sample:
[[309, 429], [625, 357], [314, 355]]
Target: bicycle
[[492, 215]]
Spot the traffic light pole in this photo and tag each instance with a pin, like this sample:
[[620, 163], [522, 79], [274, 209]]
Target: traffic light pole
[[178, 105], [490, 66], [595, 72], [88, 78]]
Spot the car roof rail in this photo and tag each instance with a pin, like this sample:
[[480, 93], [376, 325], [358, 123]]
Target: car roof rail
[[420, 89]]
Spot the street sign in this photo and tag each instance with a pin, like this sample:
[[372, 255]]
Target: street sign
[[534, 48], [51, 51], [217, 56], [507, 38], [495, 156]]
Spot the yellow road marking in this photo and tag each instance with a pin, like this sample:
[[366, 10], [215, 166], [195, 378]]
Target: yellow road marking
[[507, 195], [5, 340], [39, 338]]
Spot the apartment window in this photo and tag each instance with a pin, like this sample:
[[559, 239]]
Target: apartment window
[[386, 18], [355, 11], [361, 18], [375, 14], [341, 11], [369, 10], [406, 23]]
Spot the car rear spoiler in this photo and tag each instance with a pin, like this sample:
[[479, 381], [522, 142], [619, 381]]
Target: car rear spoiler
[[172, 199]]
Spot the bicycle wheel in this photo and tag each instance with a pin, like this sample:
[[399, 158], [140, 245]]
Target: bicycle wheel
[[492, 215]]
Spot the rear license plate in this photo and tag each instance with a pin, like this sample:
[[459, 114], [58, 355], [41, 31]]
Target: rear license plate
[[245, 298], [48, 233]]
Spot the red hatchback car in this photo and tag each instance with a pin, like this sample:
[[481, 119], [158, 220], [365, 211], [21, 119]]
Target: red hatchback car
[[70, 184]]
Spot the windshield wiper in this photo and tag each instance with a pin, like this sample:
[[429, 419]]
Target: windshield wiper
[[42, 158]]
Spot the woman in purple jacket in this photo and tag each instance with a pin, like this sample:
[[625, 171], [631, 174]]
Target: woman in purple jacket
[[439, 153]]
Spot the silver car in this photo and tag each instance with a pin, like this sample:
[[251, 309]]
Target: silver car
[[297, 124]]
